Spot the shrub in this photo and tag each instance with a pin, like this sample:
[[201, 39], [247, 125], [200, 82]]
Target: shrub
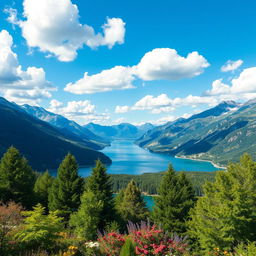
[[147, 239], [40, 230]]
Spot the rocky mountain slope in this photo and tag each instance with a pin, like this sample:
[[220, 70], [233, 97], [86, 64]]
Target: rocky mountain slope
[[220, 134]]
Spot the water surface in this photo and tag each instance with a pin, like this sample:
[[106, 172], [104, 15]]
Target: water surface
[[128, 158]]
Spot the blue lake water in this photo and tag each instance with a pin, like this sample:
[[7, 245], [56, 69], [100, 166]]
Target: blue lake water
[[128, 158]]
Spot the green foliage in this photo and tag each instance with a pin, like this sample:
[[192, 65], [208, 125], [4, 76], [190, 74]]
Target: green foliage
[[86, 220], [128, 248], [176, 198], [16, 179], [39, 230], [99, 184], [246, 249], [42, 188], [132, 206], [149, 182], [226, 214], [67, 188]]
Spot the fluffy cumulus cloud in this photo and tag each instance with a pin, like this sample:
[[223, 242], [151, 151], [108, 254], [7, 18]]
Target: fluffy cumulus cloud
[[161, 63], [121, 109], [80, 111], [164, 104], [166, 63], [151, 102], [53, 27], [117, 78], [244, 84], [231, 65], [21, 86]]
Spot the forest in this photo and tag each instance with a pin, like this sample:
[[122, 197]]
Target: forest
[[195, 214]]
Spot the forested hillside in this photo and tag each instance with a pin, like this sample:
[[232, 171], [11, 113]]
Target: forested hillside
[[218, 134], [39, 141]]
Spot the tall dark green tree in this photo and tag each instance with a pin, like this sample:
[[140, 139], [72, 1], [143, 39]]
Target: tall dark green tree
[[42, 188], [16, 179], [132, 207], [226, 214], [176, 198], [99, 184], [67, 188]]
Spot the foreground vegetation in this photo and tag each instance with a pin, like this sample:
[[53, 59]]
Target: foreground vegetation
[[68, 215]]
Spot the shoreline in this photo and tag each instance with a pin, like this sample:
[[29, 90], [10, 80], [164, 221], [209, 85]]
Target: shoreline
[[202, 160]]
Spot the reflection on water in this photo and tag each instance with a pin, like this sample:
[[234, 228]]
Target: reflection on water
[[128, 158]]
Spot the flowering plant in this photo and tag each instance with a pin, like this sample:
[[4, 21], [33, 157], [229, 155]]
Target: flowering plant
[[148, 240]]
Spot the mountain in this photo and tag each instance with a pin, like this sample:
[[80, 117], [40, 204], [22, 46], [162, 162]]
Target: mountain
[[67, 126], [42, 144], [120, 131], [220, 134]]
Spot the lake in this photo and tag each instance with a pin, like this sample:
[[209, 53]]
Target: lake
[[128, 158]]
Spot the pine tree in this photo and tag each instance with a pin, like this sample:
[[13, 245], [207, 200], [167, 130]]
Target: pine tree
[[86, 220], [133, 207], [99, 183], [226, 214], [42, 188], [172, 206], [67, 188], [16, 179]]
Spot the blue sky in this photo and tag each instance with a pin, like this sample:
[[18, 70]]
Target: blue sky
[[179, 57]]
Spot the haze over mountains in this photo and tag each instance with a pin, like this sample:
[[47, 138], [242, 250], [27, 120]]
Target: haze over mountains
[[41, 143], [120, 131], [220, 134]]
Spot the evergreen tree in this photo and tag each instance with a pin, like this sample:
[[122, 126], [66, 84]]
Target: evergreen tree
[[132, 207], [16, 179], [226, 214], [67, 188], [99, 183], [86, 220], [172, 206], [42, 188]]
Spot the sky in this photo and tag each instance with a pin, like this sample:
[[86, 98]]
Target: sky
[[127, 61]]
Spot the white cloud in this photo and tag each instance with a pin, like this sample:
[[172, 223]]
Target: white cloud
[[231, 65], [21, 86], [117, 78], [121, 109], [53, 27], [150, 102], [165, 63], [218, 87], [244, 84], [161, 63], [80, 111], [163, 120], [164, 104]]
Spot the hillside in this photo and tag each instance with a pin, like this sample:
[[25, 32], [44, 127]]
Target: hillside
[[67, 126], [219, 134], [120, 131], [42, 144]]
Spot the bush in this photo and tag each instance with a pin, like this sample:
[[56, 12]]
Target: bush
[[147, 239], [39, 230]]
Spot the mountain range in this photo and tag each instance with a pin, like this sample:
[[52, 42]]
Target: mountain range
[[120, 131], [67, 127], [220, 134], [40, 142]]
